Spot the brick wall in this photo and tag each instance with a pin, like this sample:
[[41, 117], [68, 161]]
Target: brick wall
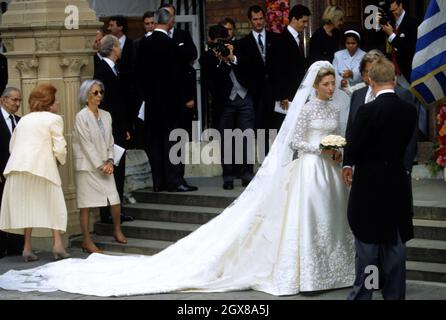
[[216, 10]]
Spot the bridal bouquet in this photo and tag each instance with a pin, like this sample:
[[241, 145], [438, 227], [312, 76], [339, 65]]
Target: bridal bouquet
[[332, 142]]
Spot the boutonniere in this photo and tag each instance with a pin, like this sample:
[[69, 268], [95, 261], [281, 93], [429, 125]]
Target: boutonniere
[[402, 35]]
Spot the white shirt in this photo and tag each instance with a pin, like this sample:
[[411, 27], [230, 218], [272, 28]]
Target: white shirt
[[122, 41], [368, 96], [384, 91], [294, 33], [170, 33], [397, 24], [148, 34], [7, 119], [111, 64]]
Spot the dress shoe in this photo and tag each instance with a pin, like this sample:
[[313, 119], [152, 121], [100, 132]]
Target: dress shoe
[[90, 248], [29, 256], [125, 217], [58, 255], [228, 185], [183, 188]]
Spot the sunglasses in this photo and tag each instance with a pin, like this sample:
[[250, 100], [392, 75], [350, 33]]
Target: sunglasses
[[98, 92]]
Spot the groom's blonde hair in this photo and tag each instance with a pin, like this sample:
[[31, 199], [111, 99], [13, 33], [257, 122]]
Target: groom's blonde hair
[[382, 71]]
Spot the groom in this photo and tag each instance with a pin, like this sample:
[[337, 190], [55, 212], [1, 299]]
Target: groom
[[379, 208]]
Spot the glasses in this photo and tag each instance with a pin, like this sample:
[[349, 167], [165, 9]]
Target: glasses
[[16, 100], [98, 92]]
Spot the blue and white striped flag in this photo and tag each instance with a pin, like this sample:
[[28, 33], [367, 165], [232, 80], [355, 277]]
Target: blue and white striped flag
[[429, 63]]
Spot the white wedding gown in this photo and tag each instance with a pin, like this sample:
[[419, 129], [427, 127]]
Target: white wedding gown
[[286, 233]]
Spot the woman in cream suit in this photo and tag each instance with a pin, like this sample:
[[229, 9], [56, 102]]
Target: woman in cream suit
[[33, 199], [93, 152]]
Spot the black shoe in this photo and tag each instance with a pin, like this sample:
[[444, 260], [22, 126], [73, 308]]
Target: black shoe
[[228, 185], [189, 186], [125, 217], [183, 188]]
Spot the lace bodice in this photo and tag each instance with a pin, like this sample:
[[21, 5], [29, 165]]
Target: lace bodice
[[317, 119]]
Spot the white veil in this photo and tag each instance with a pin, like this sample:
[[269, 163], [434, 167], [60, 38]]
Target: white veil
[[252, 244]]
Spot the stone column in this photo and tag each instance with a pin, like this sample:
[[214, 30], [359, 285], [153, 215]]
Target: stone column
[[51, 41]]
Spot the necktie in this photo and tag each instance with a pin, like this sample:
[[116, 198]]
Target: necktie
[[301, 44], [115, 68], [262, 47], [12, 122]]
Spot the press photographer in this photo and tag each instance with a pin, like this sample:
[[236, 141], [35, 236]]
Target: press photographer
[[232, 105], [401, 31]]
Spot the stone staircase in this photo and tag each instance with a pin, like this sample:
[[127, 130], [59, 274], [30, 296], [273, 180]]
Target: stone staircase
[[163, 218]]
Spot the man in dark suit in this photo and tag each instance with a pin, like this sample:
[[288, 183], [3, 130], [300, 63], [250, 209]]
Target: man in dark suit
[[165, 96], [364, 95], [402, 37], [9, 105], [290, 59], [256, 53], [115, 97], [232, 103], [118, 26], [379, 208]]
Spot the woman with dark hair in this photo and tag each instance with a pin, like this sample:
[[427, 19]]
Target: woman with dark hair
[[33, 200], [346, 62], [326, 40]]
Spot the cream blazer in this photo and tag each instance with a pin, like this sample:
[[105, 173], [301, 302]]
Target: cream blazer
[[90, 149], [35, 145]]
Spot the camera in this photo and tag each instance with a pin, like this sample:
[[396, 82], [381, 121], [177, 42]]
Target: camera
[[220, 47], [384, 17]]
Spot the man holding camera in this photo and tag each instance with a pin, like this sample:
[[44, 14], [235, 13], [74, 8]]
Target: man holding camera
[[401, 30], [232, 104]]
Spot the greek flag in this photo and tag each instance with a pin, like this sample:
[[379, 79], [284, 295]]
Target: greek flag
[[429, 63]]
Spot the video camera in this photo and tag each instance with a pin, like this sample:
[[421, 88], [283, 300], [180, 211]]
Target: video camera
[[383, 9]]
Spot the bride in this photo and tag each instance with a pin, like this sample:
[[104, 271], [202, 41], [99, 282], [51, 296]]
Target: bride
[[286, 233]]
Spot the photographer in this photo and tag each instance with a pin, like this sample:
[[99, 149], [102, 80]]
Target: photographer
[[232, 105], [401, 30]]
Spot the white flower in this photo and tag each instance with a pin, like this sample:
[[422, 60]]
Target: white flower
[[333, 141]]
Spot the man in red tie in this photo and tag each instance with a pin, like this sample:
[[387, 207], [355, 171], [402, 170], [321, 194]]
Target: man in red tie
[[402, 38]]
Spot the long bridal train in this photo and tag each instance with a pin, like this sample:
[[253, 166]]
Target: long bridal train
[[286, 233]]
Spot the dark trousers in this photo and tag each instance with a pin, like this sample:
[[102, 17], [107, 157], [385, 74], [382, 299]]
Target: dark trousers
[[237, 114], [165, 174], [390, 259]]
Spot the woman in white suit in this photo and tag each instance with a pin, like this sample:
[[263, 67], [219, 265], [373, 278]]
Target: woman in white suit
[[33, 200], [93, 153]]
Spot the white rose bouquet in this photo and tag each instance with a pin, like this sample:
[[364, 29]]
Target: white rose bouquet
[[332, 142]]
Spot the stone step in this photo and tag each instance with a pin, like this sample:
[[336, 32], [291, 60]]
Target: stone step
[[134, 246], [425, 212], [430, 229], [426, 250], [426, 271], [149, 230], [172, 213], [214, 199]]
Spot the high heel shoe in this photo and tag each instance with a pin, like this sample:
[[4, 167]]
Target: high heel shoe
[[58, 255], [90, 249], [29, 256], [120, 240]]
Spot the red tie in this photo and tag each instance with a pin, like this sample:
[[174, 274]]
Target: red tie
[[395, 62], [301, 44]]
